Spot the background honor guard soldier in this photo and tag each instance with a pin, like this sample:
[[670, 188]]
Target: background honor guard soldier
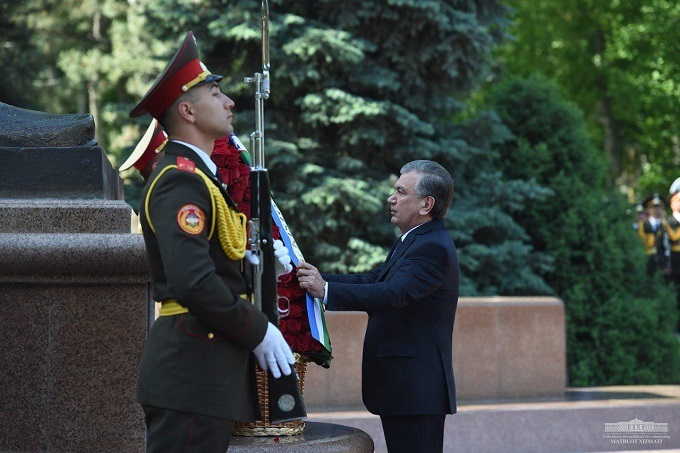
[[148, 151], [196, 376], [146, 154], [411, 299], [652, 231], [673, 228]]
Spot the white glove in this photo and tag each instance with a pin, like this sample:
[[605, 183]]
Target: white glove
[[283, 262], [252, 257], [273, 353]]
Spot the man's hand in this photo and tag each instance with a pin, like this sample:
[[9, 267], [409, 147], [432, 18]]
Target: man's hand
[[310, 280], [273, 353], [283, 262]]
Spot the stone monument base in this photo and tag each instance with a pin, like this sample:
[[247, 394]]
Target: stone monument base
[[316, 438]]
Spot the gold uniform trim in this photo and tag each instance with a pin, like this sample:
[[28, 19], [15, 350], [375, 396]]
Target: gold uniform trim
[[170, 307], [231, 225]]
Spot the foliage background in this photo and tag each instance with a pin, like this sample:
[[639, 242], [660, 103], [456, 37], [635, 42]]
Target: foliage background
[[618, 61], [552, 117]]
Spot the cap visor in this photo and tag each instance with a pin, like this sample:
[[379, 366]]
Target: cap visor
[[209, 79]]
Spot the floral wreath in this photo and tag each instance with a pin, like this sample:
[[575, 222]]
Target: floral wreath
[[294, 325]]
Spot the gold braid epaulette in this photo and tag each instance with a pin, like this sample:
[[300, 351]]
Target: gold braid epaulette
[[231, 225]]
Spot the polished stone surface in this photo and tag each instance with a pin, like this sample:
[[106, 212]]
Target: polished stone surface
[[64, 216], [316, 438], [510, 347], [68, 366], [503, 347], [58, 173], [74, 298], [30, 129], [68, 258]]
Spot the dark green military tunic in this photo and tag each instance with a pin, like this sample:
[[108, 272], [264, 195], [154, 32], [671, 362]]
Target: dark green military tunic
[[673, 228], [198, 362]]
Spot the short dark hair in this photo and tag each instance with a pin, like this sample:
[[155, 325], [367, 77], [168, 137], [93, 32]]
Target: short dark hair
[[169, 118], [435, 181]]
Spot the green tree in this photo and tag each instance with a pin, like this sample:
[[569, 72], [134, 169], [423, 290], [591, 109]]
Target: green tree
[[618, 60], [357, 91], [17, 57], [615, 313], [81, 56]]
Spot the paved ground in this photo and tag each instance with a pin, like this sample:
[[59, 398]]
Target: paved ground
[[575, 423]]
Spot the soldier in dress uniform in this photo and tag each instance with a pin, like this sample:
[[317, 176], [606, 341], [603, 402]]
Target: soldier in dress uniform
[[673, 231], [148, 151], [146, 154], [196, 375], [652, 231]]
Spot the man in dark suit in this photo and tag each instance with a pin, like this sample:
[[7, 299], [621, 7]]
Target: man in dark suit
[[196, 376], [411, 299]]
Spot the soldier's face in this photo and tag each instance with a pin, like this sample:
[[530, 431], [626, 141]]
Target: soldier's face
[[657, 211], [213, 111], [675, 204]]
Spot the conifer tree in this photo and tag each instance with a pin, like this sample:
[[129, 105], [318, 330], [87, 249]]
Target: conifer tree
[[358, 89]]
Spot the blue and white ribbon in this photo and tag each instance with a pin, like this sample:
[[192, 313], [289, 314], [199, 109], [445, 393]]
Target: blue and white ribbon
[[315, 311]]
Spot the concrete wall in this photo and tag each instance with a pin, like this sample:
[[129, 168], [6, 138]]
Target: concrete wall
[[503, 348]]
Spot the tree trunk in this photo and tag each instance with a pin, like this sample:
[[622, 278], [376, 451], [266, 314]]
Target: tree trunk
[[606, 117]]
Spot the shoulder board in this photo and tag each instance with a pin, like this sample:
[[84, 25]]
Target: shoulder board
[[185, 164]]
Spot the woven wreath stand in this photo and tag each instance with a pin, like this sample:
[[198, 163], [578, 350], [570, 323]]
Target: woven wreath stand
[[264, 427]]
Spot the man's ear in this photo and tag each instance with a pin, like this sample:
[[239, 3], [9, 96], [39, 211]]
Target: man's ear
[[428, 204], [187, 111]]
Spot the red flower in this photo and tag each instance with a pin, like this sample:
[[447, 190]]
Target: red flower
[[296, 290], [286, 278], [237, 190], [303, 342], [295, 311], [293, 325], [244, 207], [220, 150], [290, 339], [234, 172], [286, 292], [315, 345]]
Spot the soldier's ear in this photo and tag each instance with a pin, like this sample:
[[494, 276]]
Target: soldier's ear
[[187, 111]]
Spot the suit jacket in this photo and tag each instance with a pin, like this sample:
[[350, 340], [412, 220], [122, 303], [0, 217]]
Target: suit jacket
[[411, 303], [197, 362]]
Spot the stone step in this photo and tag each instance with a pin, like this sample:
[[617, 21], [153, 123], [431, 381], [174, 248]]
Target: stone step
[[49, 216]]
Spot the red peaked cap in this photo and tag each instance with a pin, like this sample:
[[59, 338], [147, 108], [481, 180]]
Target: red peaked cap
[[184, 72], [151, 144]]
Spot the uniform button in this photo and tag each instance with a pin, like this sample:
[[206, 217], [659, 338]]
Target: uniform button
[[211, 336]]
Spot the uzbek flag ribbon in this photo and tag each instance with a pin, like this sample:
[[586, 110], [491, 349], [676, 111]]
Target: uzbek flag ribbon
[[315, 310]]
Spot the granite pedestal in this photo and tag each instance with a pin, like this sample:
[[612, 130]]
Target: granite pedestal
[[316, 438], [74, 296]]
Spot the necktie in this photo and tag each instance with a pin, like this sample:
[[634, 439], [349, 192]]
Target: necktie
[[395, 249]]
